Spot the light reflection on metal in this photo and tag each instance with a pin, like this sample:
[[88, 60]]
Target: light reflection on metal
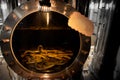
[[110, 5], [45, 8], [65, 9], [5, 40], [46, 76], [24, 7], [7, 28], [74, 3], [3, 5], [21, 2], [91, 6], [4, 9], [14, 16], [48, 18]]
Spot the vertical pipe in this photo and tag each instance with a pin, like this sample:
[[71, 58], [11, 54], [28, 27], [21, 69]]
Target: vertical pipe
[[5, 10], [14, 3]]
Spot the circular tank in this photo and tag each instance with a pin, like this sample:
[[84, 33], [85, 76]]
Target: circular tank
[[40, 44]]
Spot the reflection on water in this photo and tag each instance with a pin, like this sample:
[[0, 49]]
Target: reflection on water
[[44, 59]]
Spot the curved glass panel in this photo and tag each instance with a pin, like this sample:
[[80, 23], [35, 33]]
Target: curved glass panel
[[42, 42]]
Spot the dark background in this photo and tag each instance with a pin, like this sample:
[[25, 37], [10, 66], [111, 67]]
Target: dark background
[[109, 61]]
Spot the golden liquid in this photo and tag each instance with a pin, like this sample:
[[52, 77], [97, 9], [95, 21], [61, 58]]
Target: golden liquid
[[43, 59]]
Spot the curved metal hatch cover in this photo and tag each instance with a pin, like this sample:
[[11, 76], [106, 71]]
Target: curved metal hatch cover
[[40, 44]]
